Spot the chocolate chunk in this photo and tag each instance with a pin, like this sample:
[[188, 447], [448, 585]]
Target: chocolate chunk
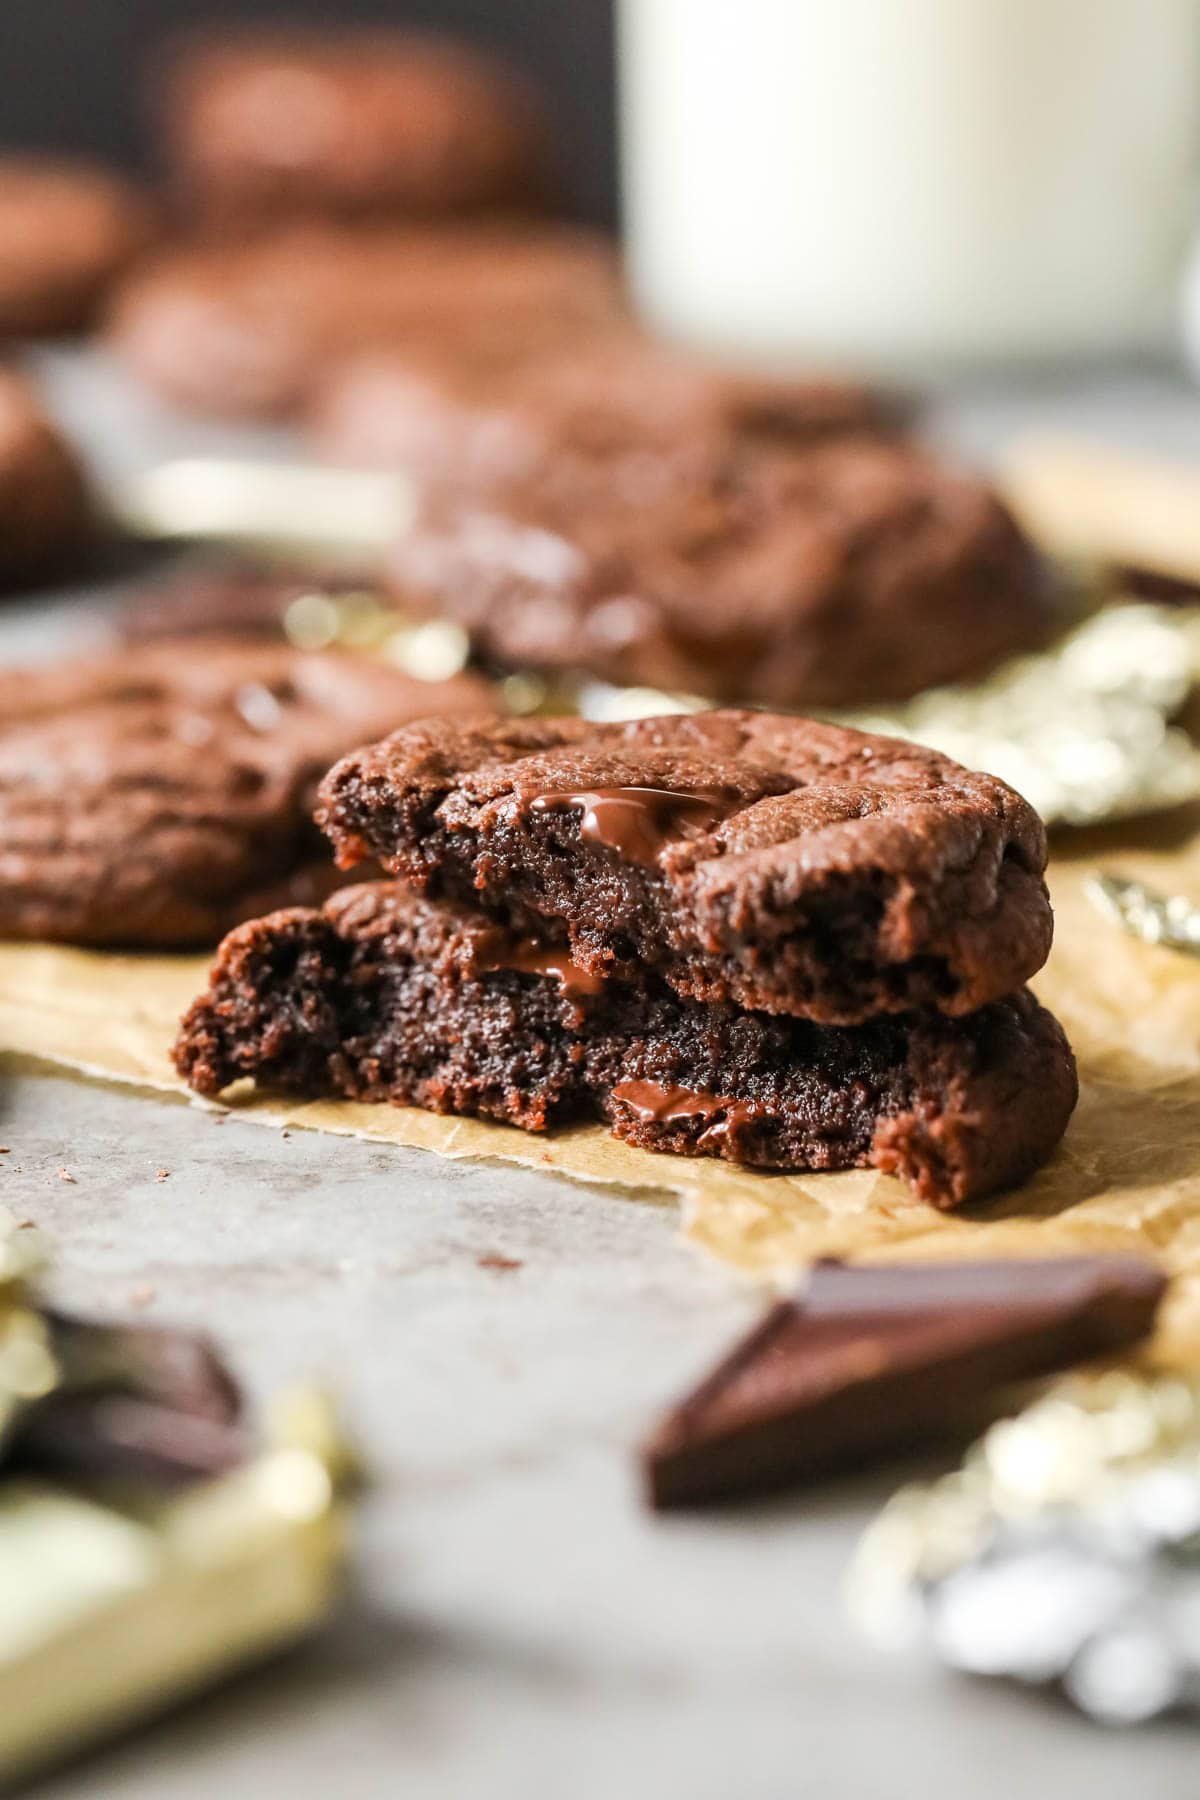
[[866, 1360], [133, 1403], [637, 821]]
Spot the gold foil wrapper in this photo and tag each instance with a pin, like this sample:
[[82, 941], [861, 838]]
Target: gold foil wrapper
[[120, 1597], [1083, 730], [113, 1611]]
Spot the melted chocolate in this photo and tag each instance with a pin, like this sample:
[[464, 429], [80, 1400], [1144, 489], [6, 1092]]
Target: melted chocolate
[[637, 821], [669, 1106], [528, 957]]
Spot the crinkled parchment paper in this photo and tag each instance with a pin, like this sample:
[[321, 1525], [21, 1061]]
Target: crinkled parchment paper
[[1126, 1177]]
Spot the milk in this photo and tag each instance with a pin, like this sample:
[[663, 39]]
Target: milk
[[910, 184]]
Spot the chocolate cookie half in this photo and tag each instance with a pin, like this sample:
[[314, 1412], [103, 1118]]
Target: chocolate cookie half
[[45, 511], [159, 795], [774, 862], [383, 996], [723, 566]]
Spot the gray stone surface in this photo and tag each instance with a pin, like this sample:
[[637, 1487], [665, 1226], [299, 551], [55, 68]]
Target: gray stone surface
[[519, 1628]]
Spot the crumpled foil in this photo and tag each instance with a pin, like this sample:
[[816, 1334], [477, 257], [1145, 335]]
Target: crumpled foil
[[1065, 1550], [1083, 730], [1172, 920]]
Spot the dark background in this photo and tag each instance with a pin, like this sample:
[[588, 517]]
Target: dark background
[[73, 71]]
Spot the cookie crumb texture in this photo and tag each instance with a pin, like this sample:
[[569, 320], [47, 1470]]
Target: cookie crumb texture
[[158, 795], [845, 875], [385, 997]]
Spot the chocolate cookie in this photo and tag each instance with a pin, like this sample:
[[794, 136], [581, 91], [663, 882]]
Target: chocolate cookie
[[158, 796], [265, 128], [231, 600], [45, 513], [610, 409], [849, 573], [774, 862], [383, 996], [248, 330], [67, 230]]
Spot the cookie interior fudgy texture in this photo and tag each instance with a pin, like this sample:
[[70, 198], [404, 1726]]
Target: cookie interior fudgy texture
[[67, 230], [383, 996], [45, 511], [737, 570], [266, 126], [158, 795], [816, 871], [248, 330]]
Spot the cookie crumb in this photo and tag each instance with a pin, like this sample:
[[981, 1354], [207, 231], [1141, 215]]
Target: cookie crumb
[[493, 1260], [161, 1174], [66, 1175]]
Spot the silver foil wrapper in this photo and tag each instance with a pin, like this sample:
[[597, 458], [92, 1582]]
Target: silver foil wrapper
[[1065, 1550]]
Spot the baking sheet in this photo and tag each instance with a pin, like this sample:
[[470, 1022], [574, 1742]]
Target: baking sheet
[[1126, 1177]]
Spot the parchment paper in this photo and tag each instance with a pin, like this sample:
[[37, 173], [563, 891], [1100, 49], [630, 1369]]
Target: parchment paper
[[1126, 1177]]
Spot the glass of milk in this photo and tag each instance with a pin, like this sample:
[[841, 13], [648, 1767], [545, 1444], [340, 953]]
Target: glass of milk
[[910, 185]]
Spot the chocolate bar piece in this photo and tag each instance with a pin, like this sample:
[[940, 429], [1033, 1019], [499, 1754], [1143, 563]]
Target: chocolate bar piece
[[867, 1359]]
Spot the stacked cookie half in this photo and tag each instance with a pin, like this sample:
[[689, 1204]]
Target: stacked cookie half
[[730, 934]]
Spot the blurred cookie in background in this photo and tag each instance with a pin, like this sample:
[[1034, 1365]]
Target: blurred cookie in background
[[158, 795], [615, 398], [268, 128], [67, 231], [45, 509], [231, 599], [245, 331], [847, 573]]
